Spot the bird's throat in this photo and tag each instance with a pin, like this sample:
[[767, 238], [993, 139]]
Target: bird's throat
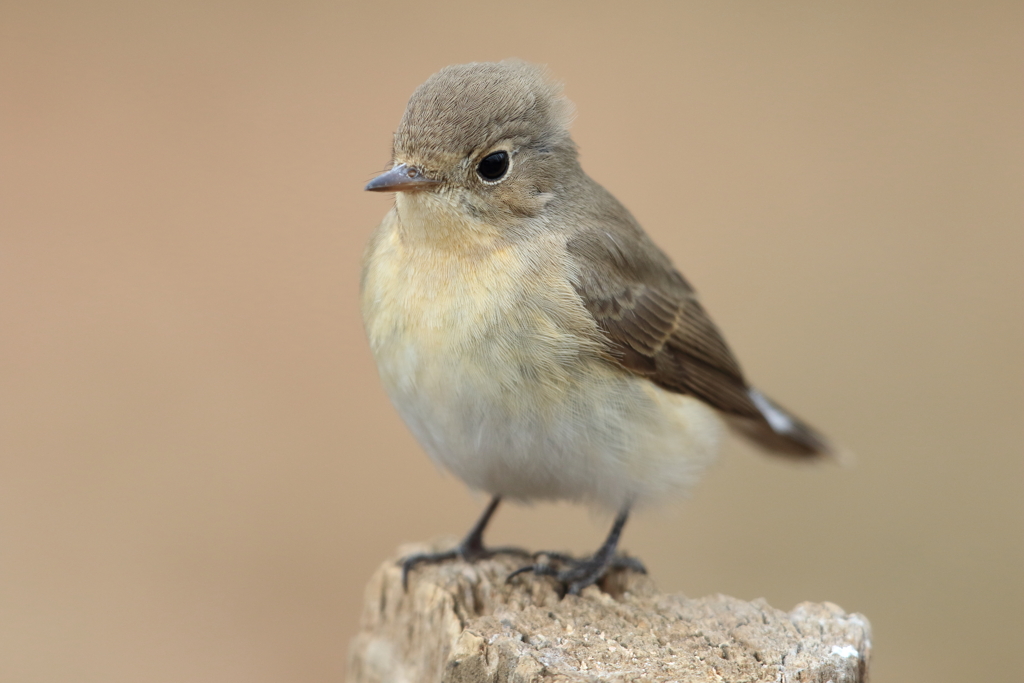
[[435, 220]]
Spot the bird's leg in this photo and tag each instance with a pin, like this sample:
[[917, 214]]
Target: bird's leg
[[578, 574], [469, 550]]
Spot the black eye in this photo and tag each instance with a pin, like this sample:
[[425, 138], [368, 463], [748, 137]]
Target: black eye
[[493, 166]]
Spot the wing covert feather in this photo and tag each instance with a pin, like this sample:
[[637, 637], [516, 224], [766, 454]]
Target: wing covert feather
[[653, 322], [656, 328]]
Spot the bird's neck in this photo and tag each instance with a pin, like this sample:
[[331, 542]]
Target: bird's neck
[[428, 220]]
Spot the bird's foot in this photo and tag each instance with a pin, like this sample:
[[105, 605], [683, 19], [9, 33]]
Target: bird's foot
[[574, 575], [467, 552]]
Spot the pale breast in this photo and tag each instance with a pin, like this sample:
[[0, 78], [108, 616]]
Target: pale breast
[[450, 327], [497, 368]]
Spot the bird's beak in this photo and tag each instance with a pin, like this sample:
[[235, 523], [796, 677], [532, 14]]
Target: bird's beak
[[401, 178]]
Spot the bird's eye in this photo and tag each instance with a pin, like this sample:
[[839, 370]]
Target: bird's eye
[[493, 166]]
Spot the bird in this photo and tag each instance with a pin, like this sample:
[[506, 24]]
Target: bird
[[534, 339]]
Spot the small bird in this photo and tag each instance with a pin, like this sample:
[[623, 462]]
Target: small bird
[[534, 339]]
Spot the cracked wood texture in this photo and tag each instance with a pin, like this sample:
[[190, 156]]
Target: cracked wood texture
[[462, 623]]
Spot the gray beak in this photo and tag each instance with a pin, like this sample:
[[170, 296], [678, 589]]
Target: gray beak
[[401, 178]]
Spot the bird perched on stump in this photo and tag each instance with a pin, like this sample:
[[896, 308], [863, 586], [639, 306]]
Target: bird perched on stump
[[534, 339]]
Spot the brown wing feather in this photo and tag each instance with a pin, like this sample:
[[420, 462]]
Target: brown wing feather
[[654, 324], [655, 327]]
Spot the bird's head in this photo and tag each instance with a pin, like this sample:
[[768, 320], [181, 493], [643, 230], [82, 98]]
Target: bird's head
[[489, 140]]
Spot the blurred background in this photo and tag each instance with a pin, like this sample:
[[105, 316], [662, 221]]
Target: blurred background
[[198, 468]]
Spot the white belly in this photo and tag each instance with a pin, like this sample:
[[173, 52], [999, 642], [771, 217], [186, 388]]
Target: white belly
[[491, 362]]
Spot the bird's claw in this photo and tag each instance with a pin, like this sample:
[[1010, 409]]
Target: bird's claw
[[463, 551], [574, 575]]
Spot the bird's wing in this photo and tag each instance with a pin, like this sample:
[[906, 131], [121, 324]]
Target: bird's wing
[[653, 323], [656, 328]]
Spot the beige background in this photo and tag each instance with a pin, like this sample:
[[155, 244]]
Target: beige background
[[198, 469]]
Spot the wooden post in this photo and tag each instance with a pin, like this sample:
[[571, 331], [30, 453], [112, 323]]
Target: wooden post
[[462, 623]]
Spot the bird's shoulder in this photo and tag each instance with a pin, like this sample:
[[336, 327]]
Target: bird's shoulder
[[650, 317]]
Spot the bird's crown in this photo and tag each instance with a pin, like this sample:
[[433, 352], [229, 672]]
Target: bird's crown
[[468, 107]]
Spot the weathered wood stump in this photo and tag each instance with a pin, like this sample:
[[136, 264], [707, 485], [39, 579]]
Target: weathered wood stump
[[463, 623]]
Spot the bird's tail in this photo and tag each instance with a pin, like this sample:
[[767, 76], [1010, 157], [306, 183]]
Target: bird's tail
[[780, 431]]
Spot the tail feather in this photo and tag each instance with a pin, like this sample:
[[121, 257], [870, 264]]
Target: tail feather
[[780, 431]]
